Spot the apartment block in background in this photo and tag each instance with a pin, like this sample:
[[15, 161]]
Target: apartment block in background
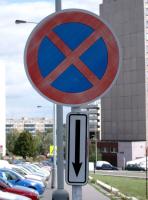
[[29, 124], [125, 106]]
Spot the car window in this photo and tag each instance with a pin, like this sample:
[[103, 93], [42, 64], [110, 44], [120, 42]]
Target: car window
[[10, 176], [19, 171], [106, 166]]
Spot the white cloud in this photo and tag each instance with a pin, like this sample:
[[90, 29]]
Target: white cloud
[[21, 97]]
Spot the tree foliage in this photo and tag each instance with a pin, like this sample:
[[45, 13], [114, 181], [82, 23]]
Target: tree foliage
[[43, 141], [24, 145], [92, 152], [11, 140]]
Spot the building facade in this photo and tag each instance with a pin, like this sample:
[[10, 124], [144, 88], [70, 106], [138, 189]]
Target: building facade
[[94, 115], [29, 124], [125, 106], [2, 110]]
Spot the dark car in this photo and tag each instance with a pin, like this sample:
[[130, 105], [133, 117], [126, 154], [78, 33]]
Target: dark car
[[107, 167], [134, 167]]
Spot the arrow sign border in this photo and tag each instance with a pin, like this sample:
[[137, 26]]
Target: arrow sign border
[[78, 182]]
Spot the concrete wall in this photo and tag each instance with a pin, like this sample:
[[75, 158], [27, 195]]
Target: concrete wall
[[139, 150], [129, 151], [2, 110], [123, 107]]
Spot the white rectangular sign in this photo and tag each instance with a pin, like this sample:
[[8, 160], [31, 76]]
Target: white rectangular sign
[[77, 149]]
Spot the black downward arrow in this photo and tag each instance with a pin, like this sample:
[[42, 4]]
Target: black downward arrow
[[77, 164]]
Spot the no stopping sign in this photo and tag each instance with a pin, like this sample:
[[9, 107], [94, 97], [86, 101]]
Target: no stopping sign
[[72, 57]]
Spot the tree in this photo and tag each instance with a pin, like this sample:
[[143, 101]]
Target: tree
[[24, 145], [43, 141], [10, 140], [92, 152]]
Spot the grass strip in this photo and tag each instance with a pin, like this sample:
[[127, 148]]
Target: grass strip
[[128, 186]]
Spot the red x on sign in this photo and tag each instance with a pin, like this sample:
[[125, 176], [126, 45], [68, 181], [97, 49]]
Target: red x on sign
[[72, 57]]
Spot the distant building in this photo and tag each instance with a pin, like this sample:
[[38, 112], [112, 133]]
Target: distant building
[[94, 114], [125, 106], [29, 124]]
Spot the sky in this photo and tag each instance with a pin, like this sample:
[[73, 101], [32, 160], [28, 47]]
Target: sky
[[22, 100]]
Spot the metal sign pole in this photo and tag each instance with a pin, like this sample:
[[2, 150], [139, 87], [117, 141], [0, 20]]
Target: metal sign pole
[[76, 189], [59, 119], [60, 167], [54, 150], [60, 193]]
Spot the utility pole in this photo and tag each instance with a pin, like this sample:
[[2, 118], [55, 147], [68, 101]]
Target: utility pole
[[60, 193]]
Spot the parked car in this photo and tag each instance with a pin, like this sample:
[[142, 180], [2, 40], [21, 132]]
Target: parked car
[[10, 196], [5, 186], [134, 167], [27, 174], [4, 163], [137, 164], [35, 171], [45, 172], [16, 179], [18, 186], [104, 165]]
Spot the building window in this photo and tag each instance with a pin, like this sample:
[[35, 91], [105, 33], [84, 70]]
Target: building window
[[113, 150], [146, 11], [9, 125], [103, 149], [29, 125], [146, 48]]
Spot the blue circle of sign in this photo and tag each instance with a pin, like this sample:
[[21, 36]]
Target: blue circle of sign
[[71, 80]]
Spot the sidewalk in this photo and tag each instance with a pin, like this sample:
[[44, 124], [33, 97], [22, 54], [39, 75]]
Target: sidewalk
[[88, 193]]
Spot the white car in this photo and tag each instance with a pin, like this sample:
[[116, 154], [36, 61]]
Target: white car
[[27, 174], [100, 163], [11, 196], [43, 170], [4, 164], [34, 169]]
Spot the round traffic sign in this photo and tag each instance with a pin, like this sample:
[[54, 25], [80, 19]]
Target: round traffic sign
[[72, 57]]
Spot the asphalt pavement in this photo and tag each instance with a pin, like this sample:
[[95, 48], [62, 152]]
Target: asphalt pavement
[[88, 193]]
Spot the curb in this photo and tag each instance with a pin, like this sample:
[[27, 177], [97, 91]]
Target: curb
[[111, 189]]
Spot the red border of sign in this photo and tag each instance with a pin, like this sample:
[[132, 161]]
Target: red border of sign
[[45, 29]]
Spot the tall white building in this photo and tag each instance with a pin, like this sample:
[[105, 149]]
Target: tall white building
[[125, 107], [2, 110]]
